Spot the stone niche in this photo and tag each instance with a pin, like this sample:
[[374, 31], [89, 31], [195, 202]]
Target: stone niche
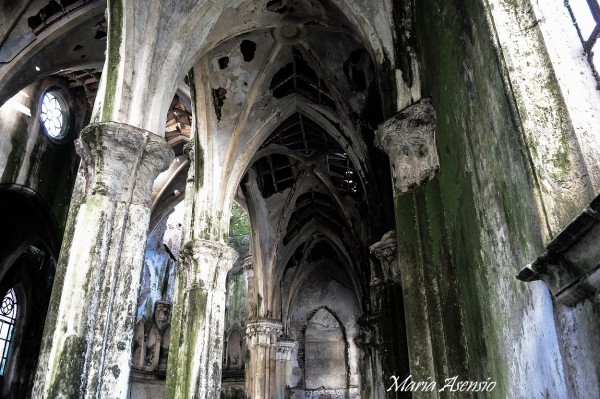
[[324, 352], [151, 341]]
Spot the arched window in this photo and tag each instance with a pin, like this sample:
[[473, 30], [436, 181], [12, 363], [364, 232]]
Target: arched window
[[8, 315], [54, 116], [325, 352]]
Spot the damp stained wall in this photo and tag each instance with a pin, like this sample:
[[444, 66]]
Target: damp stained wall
[[473, 227]]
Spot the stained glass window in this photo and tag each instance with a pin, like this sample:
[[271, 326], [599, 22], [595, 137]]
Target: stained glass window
[[52, 116], [8, 315]]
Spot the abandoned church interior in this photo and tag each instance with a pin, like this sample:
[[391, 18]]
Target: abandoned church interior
[[299, 199]]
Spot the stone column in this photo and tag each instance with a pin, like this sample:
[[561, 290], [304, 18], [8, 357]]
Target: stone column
[[409, 140], [368, 342], [283, 356], [198, 325], [261, 335], [86, 350]]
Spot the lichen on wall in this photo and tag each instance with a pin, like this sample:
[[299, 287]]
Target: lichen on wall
[[476, 223]]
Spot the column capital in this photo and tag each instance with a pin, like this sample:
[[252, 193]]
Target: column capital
[[263, 332], [408, 138], [213, 256], [284, 349], [122, 161]]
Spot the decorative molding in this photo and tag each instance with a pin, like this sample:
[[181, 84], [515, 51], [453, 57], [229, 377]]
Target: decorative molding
[[263, 332], [385, 251], [284, 349], [408, 138]]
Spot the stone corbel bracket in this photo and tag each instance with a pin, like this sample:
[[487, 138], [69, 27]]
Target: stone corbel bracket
[[408, 138], [385, 251], [570, 265]]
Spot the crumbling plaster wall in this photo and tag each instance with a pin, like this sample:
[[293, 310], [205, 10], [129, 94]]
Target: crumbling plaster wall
[[327, 286], [29, 158], [478, 221]]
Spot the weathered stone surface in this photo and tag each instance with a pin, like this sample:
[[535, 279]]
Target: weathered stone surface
[[262, 335], [196, 348], [111, 151], [409, 140], [386, 251], [101, 262]]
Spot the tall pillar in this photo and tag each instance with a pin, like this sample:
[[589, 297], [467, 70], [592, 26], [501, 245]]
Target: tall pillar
[[409, 140], [86, 349], [368, 342], [283, 367], [198, 327], [262, 335]]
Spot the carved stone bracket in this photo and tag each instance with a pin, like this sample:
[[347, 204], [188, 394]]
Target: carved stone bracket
[[263, 332], [368, 335], [409, 140], [385, 250], [122, 161]]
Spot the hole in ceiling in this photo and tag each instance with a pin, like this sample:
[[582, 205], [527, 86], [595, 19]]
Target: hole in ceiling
[[276, 6], [219, 97], [77, 47], [223, 62], [302, 134], [274, 174], [298, 77], [248, 48]]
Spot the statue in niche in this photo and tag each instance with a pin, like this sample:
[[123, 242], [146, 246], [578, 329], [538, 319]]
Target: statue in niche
[[150, 356], [162, 314]]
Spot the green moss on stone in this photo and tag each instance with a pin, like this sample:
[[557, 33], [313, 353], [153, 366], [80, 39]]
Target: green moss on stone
[[66, 379]]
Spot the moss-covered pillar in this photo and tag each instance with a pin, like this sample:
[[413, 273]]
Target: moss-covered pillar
[[195, 352], [283, 367], [262, 336], [86, 349], [409, 140]]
